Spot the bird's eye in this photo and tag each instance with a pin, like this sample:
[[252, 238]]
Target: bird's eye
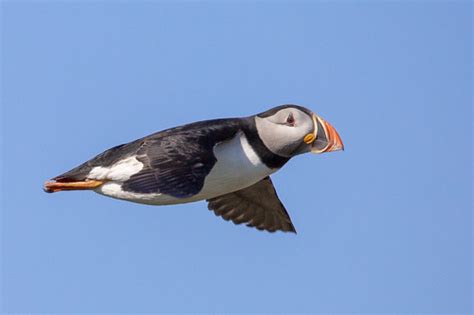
[[290, 120]]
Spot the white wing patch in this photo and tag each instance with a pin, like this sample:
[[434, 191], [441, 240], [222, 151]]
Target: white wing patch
[[120, 171]]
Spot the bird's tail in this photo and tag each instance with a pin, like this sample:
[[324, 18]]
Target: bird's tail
[[51, 187]]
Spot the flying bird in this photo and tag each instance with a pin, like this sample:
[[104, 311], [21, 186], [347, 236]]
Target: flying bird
[[227, 162]]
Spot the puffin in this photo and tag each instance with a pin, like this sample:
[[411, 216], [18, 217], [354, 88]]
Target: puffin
[[227, 162]]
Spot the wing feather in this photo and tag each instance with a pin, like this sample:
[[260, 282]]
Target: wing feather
[[178, 163], [257, 206]]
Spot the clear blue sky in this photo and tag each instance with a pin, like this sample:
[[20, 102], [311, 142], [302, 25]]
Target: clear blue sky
[[385, 226]]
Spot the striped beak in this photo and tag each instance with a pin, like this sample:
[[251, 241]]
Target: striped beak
[[326, 137]]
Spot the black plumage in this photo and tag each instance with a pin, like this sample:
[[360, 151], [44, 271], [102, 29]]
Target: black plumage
[[225, 161], [257, 206], [177, 160]]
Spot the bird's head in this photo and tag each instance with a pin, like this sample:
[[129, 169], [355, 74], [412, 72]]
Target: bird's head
[[289, 130]]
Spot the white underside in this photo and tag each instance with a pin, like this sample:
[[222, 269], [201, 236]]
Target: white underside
[[238, 166]]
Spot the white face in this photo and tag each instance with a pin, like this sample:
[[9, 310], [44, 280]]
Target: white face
[[283, 132]]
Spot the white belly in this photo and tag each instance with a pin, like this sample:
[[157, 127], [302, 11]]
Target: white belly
[[238, 166]]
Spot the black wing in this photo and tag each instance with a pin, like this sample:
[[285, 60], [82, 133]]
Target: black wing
[[178, 163], [257, 206]]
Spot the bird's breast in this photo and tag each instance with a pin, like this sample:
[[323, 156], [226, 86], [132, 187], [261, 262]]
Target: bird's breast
[[238, 166]]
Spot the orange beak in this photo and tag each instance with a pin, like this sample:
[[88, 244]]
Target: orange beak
[[327, 138]]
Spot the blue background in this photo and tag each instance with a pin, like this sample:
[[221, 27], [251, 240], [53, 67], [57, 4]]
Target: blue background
[[385, 226]]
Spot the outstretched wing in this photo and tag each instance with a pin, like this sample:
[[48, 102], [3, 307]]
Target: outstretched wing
[[257, 206]]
